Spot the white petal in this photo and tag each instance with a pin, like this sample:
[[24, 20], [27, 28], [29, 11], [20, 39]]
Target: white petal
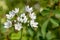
[[18, 18], [10, 12], [8, 16], [22, 15], [30, 9], [27, 8], [6, 27]]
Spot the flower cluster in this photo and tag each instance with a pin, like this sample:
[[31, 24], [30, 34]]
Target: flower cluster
[[21, 19], [32, 16]]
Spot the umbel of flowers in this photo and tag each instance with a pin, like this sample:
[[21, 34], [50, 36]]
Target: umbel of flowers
[[22, 18]]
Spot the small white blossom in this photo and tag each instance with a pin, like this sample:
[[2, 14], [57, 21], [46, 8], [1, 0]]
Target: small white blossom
[[33, 23], [18, 26], [10, 15], [19, 19], [16, 10], [7, 24], [22, 15], [28, 9], [22, 18], [32, 16], [13, 11]]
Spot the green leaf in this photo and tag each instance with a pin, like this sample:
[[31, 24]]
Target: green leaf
[[30, 32], [2, 29], [55, 23], [45, 13], [43, 3], [50, 35], [15, 36], [55, 1], [1, 36], [43, 28], [24, 38], [38, 35]]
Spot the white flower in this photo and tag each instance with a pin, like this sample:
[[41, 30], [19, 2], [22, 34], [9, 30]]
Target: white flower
[[7, 24], [16, 10], [10, 15], [33, 23], [13, 11], [28, 9], [22, 18], [19, 19], [32, 16], [22, 15], [18, 26]]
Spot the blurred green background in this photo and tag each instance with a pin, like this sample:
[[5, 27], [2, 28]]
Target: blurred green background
[[48, 19]]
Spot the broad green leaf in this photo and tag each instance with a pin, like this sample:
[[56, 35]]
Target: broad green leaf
[[55, 23], [50, 35], [43, 28]]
